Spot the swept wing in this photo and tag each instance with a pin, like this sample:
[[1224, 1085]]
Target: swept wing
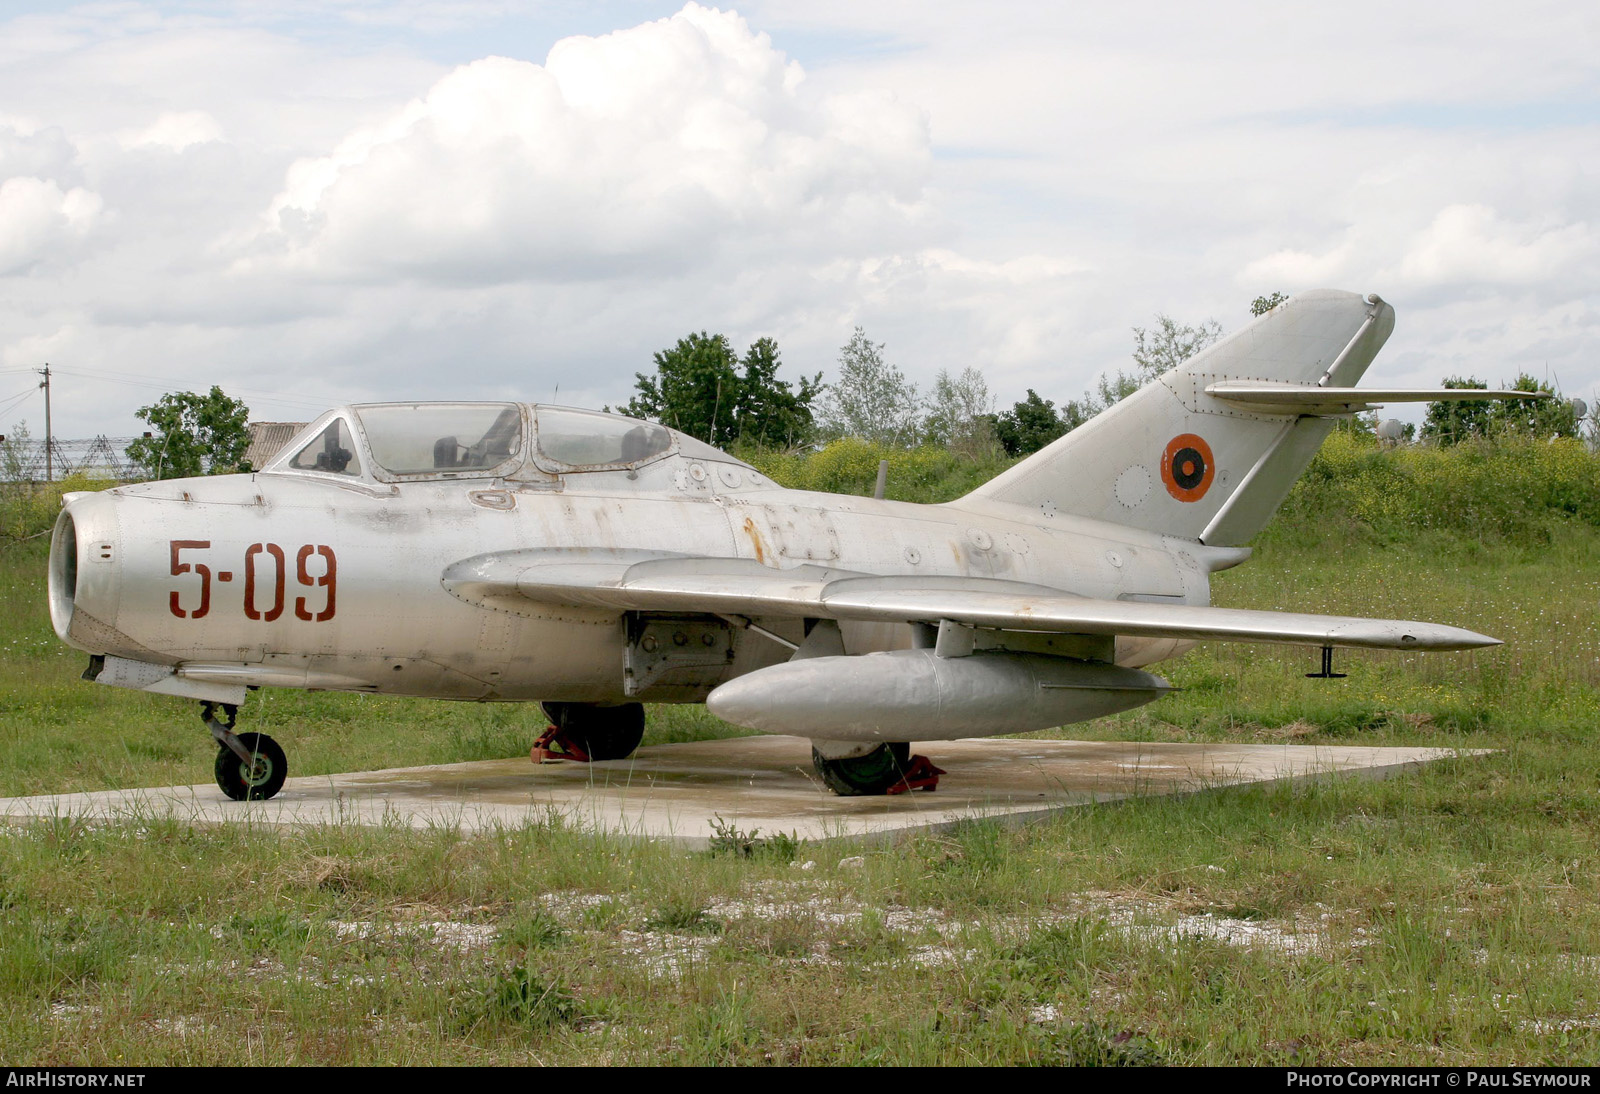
[[636, 581]]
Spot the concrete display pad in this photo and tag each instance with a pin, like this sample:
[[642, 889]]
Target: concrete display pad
[[678, 791]]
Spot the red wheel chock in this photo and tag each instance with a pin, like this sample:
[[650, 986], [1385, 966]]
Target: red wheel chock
[[544, 750], [920, 774]]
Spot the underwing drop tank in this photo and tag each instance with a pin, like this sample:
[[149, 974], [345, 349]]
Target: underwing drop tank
[[917, 695]]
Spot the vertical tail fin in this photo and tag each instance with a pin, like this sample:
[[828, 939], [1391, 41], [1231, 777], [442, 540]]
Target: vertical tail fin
[[1171, 458]]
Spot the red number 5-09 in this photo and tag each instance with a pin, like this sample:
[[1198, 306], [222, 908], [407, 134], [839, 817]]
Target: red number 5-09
[[181, 568], [327, 579], [260, 575]]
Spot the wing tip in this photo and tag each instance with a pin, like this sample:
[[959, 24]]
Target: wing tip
[[1459, 638]]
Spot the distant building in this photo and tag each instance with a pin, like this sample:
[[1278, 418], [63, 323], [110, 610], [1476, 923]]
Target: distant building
[[267, 440]]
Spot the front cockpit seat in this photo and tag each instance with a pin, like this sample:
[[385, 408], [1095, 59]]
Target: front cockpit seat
[[636, 444], [333, 456]]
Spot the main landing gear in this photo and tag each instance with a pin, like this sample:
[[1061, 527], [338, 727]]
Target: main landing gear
[[250, 766], [887, 769], [586, 732]]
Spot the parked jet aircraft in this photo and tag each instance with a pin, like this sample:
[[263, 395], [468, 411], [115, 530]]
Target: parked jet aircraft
[[513, 552]]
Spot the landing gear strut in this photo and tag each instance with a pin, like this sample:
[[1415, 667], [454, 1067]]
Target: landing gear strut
[[250, 766], [585, 732], [887, 769]]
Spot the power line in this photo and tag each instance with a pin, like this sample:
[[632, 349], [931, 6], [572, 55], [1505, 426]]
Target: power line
[[138, 381], [11, 402]]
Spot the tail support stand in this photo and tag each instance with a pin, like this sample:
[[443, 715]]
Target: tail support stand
[[920, 774], [545, 751], [222, 728], [1327, 672]]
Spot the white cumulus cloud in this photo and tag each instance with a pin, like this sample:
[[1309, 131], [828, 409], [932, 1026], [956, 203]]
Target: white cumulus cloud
[[39, 220], [655, 149], [1473, 243], [1296, 267], [309, 203], [174, 131]]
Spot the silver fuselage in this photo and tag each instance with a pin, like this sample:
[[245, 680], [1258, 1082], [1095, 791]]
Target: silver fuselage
[[309, 580]]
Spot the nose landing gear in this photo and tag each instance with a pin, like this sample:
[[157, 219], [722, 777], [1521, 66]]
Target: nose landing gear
[[887, 769], [250, 766]]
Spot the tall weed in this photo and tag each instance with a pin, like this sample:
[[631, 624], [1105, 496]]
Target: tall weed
[[1511, 489], [28, 509]]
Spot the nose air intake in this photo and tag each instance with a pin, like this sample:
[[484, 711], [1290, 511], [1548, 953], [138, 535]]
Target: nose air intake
[[63, 574], [83, 577]]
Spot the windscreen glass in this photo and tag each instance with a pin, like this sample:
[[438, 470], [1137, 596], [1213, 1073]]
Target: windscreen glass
[[441, 438], [333, 451], [581, 438]]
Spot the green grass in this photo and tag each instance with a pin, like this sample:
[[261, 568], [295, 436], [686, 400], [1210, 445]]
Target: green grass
[[1449, 916]]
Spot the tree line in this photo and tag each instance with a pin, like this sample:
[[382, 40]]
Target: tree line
[[1452, 423], [703, 387], [700, 388]]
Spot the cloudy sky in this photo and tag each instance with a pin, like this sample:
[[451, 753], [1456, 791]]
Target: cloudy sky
[[317, 201]]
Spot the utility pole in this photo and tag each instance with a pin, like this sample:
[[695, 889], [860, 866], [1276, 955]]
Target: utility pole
[[49, 441]]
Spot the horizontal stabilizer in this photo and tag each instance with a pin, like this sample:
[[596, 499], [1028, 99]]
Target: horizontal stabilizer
[[541, 580], [1275, 397]]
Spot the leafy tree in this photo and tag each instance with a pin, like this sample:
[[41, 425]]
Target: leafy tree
[[1109, 390], [1156, 350], [1452, 422], [193, 435], [1261, 305], [1030, 425], [1169, 345], [16, 453], [1541, 418], [768, 411], [871, 399], [961, 412], [695, 389], [701, 388], [1362, 424]]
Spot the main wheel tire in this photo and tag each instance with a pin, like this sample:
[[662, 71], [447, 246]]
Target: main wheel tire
[[873, 773], [257, 781], [604, 733]]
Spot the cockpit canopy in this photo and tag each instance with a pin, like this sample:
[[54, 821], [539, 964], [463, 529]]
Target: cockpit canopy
[[423, 438], [394, 442], [332, 450], [577, 439]]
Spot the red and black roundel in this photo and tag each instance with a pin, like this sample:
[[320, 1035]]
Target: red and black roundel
[[1187, 467]]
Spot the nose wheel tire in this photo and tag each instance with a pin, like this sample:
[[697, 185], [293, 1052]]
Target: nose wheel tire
[[873, 773], [257, 780]]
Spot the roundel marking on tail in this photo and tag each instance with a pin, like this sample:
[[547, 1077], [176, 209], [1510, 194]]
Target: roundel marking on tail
[[1187, 467]]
